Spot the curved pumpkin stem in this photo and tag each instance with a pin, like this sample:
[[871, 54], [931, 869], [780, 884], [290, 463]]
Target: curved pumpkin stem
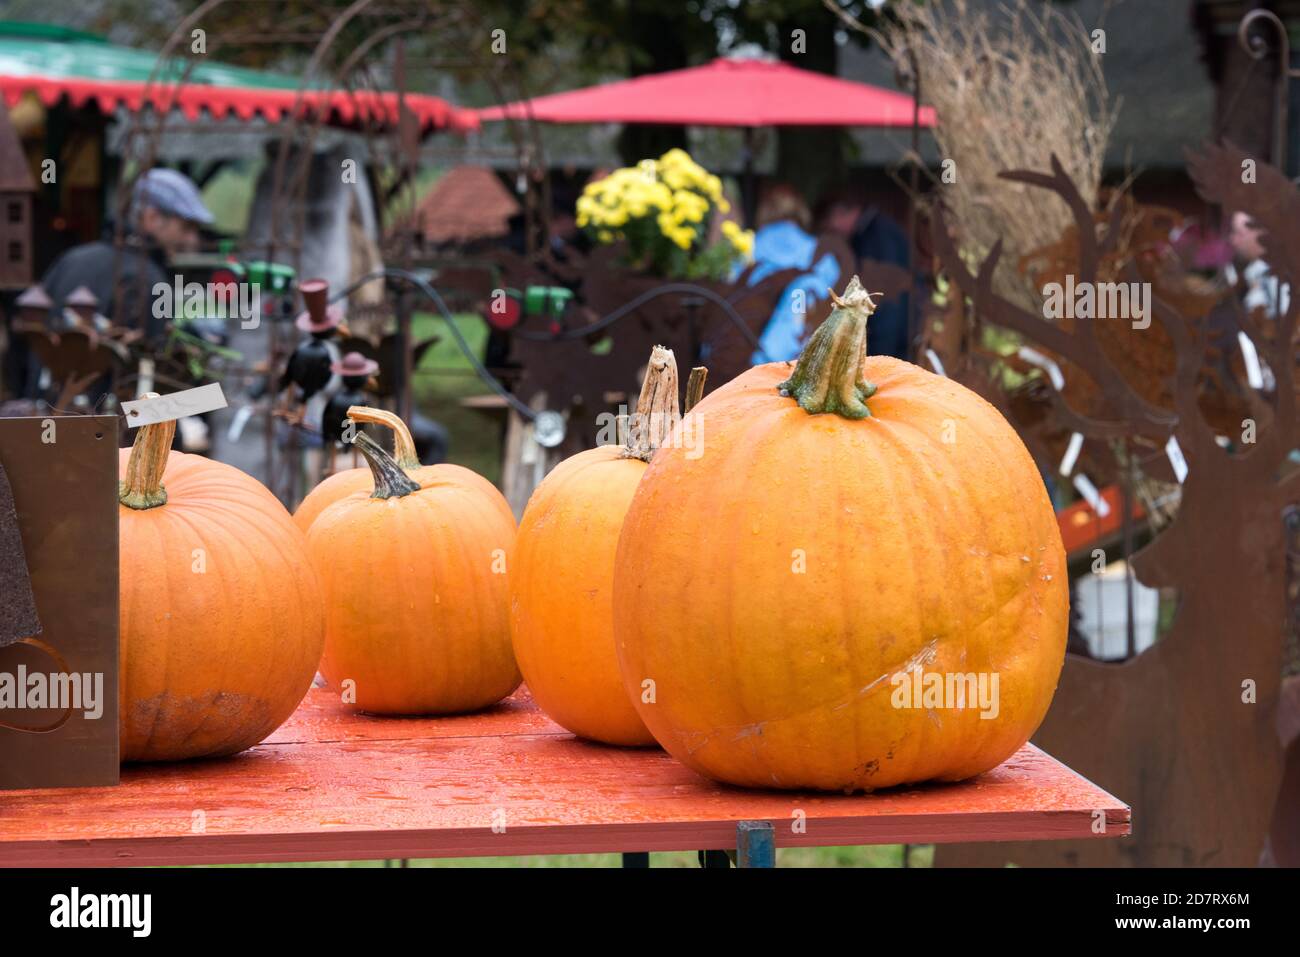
[[403, 445], [390, 480], [656, 408], [828, 376], [143, 487]]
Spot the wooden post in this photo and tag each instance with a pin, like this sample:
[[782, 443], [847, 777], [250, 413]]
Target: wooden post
[[525, 463]]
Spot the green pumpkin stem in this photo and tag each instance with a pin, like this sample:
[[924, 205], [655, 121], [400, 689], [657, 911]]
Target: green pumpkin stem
[[143, 486], [656, 408], [390, 480], [828, 376], [403, 445]]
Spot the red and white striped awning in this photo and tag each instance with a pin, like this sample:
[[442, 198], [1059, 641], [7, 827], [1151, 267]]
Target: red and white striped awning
[[360, 109]]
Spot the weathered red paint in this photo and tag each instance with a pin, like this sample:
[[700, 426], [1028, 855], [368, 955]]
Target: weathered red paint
[[333, 785]]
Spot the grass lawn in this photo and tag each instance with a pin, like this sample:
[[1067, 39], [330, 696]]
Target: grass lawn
[[884, 855], [443, 379]]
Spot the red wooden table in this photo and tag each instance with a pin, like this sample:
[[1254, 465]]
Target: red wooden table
[[332, 785]]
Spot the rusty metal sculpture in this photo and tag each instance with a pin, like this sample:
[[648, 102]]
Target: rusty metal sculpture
[[1187, 731], [594, 368]]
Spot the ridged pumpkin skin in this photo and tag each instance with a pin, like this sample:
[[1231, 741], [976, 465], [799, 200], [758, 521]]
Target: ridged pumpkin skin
[[212, 661], [562, 595], [416, 597], [329, 490], [915, 551]]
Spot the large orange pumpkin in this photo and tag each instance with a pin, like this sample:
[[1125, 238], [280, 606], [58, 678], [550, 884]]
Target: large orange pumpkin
[[562, 573], [221, 619], [854, 532], [414, 576], [342, 484]]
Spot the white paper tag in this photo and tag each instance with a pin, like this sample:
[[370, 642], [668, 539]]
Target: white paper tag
[[1175, 453], [1254, 372], [935, 361], [174, 405], [1071, 453], [146, 371], [529, 450], [1091, 495], [1036, 358]]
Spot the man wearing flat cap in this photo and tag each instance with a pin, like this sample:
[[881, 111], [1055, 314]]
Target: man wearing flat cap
[[165, 216]]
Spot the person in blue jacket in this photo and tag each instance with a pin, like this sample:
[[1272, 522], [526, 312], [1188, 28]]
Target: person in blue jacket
[[782, 241]]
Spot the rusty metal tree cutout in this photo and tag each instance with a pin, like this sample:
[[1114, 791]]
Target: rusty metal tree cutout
[[1187, 732]]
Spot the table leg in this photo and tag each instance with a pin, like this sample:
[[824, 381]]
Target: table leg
[[755, 844], [714, 859]]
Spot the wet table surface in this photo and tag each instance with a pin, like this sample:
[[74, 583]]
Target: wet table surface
[[333, 785]]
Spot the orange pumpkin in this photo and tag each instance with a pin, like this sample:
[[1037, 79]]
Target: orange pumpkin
[[562, 573], [414, 576], [785, 603], [221, 619], [342, 484]]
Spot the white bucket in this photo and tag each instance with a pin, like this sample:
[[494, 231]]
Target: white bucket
[[1102, 603]]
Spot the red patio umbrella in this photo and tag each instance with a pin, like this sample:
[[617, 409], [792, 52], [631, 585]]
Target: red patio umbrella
[[746, 93], [725, 92]]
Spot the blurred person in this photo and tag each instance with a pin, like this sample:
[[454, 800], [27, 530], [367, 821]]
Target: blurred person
[[1256, 288], [782, 241], [1262, 287], [163, 222], [872, 235]]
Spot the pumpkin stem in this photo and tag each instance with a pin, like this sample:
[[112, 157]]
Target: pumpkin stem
[[390, 480], [143, 487], [828, 376], [403, 445], [695, 388], [656, 408]]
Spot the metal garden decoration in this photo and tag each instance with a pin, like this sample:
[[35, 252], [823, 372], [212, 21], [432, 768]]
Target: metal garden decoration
[[1188, 731]]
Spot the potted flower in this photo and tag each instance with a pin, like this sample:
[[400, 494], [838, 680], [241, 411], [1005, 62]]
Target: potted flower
[[661, 211]]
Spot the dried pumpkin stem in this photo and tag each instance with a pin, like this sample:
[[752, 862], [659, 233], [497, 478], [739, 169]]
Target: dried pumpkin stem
[[143, 486], [656, 408], [390, 480], [695, 388], [828, 376], [403, 445]]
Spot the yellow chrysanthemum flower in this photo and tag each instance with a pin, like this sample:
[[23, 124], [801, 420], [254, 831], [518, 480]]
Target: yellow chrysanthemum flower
[[742, 240]]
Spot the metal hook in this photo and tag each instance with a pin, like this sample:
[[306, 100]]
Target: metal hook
[[1257, 49]]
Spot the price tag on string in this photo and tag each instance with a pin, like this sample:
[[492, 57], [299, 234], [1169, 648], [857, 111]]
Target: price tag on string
[[174, 405], [1176, 459], [1036, 358], [1091, 495], [1071, 455]]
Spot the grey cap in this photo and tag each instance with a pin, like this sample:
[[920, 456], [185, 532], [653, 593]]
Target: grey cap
[[171, 192]]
